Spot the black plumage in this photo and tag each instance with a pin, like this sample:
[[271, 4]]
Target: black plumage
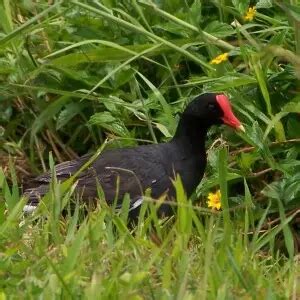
[[133, 170]]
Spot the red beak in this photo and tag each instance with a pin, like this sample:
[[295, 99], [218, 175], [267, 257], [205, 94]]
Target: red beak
[[229, 118]]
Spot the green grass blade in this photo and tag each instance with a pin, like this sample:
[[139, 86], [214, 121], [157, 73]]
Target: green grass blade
[[145, 32], [26, 26]]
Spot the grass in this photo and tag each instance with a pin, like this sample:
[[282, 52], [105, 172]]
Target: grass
[[75, 74]]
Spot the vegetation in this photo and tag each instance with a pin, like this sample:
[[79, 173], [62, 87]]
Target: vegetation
[[75, 74]]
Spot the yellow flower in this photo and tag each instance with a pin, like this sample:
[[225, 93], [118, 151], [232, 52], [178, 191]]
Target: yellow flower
[[214, 200], [250, 14], [220, 58]]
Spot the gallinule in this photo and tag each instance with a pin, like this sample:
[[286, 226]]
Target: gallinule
[[133, 170]]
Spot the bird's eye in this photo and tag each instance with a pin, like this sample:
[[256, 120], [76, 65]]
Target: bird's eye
[[212, 107]]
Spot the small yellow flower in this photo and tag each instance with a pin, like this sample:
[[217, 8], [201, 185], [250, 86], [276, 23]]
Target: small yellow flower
[[214, 200], [220, 58], [250, 14]]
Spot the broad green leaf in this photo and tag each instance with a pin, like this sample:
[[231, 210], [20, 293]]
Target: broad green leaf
[[109, 122], [241, 5], [220, 30], [69, 112], [264, 4]]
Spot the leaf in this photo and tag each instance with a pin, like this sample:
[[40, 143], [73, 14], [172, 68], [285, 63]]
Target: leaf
[[219, 29], [143, 31], [102, 118], [112, 53], [287, 233], [195, 13], [20, 31], [165, 106], [293, 127], [222, 172], [207, 184], [163, 129], [269, 235], [249, 217], [74, 249], [292, 107], [274, 122], [255, 137], [70, 111], [246, 160], [261, 79], [109, 122], [175, 29], [122, 77], [241, 5], [183, 221], [286, 190], [264, 4], [222, 83]]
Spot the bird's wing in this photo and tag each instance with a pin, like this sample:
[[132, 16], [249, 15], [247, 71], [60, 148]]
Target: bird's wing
[[63, 170], [126, 171], [117, 172]]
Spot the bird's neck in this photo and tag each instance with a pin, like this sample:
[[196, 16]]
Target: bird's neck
[[191, 133]]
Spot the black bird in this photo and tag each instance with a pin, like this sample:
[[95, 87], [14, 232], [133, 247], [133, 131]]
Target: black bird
[[133, 170]]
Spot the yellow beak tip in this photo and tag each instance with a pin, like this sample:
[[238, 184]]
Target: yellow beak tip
[[241, 128]]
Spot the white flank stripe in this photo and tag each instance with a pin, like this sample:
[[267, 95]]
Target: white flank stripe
[[29, 209], [136, 204]]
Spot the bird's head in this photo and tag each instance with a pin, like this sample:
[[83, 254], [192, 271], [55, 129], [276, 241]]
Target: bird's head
[[211, 109]]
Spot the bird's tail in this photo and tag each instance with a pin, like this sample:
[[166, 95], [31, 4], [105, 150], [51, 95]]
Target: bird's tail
[[34, 196]]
